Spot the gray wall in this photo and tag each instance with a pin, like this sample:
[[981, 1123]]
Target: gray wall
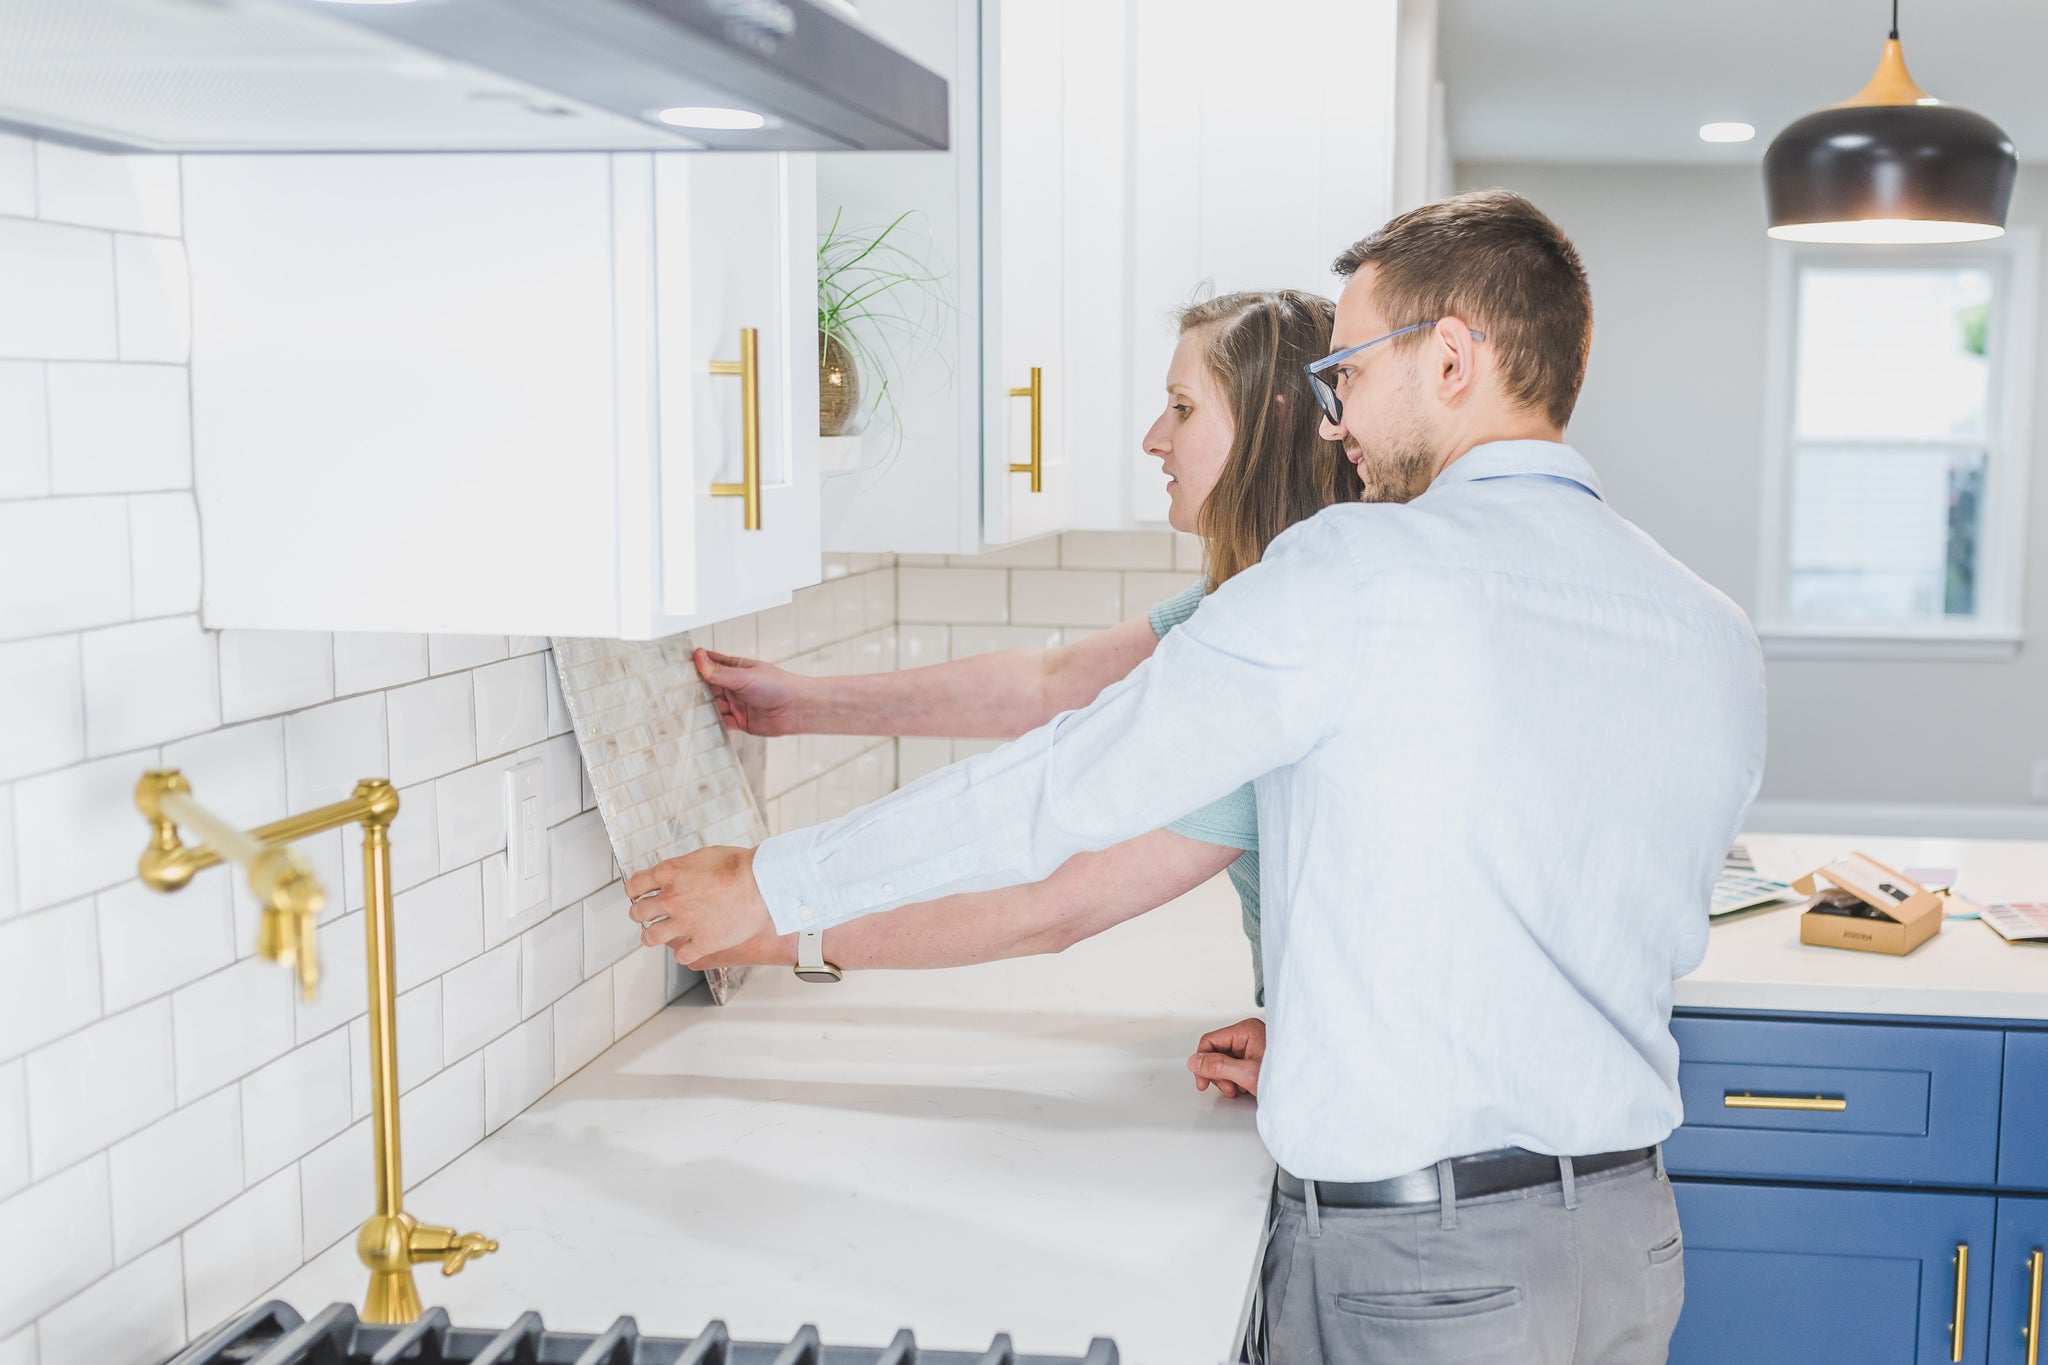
[[1672, 417]]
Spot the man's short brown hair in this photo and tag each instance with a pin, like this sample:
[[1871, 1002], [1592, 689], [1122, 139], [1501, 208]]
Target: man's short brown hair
[[1492, 258]]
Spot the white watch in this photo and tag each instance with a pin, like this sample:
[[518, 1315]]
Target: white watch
[[810, 960]]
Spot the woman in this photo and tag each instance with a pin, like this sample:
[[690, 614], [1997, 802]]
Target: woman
[[1239, 445]]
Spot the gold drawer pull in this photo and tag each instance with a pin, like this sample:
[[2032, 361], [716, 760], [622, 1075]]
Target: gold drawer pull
[[2032, 1331], [1035, 391], [748, 368], [1955, 1340], [1823, 1104]]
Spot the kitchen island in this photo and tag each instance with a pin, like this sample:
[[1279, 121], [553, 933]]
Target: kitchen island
[[1012, 1147]]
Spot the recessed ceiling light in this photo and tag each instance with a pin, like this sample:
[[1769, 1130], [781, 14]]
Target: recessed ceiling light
[[1726, 132], [711, 116]]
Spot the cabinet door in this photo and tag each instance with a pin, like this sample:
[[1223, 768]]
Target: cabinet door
[[1024, 134], [2023, 1117], [1830, 1276], [735, 260], [2019, 1279]]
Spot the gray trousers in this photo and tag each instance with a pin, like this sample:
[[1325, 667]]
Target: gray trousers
[[1593, 1274]]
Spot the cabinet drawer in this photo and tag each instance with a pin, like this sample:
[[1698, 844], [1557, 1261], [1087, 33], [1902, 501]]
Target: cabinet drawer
[[2023, 1118], [1790, 1099]]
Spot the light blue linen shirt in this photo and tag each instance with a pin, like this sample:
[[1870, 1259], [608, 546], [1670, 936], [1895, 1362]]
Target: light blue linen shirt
[[1502, 743]]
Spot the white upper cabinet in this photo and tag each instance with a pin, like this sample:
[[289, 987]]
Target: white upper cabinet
[[526, 394], [1113, 160]]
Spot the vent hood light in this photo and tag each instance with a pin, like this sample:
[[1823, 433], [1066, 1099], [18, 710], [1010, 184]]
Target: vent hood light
[[196, 76], [708, 116]]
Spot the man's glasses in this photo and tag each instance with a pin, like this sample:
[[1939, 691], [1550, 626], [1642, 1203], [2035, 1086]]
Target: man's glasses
[[1326, 392]]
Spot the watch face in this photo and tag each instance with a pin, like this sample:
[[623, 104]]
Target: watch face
[[819, 975]]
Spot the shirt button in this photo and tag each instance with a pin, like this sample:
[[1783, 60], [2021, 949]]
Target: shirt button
[[887, 889]]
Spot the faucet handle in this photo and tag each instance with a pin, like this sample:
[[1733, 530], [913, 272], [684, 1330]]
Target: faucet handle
[[467, 1245], [452, 1249]]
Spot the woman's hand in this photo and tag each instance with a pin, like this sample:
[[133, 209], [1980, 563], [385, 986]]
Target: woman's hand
[[1228, 1058], [758, 698]]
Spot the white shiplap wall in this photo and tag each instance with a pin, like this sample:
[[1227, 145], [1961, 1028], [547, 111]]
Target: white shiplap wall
[[177, 1131]]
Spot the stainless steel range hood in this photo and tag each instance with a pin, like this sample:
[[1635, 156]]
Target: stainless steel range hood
[[459, 75]]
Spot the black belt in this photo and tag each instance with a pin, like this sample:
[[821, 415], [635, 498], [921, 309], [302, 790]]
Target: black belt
[[1472, 1177]]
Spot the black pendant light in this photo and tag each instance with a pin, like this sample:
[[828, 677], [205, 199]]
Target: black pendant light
[[1889, 165]]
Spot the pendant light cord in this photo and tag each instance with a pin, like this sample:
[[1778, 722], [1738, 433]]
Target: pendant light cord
[[1895, 20]]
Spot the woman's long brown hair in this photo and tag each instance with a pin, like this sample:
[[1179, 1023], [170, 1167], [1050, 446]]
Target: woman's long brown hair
[[1279, 470]]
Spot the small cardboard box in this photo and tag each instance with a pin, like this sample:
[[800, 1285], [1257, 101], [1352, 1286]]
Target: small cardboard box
[[1901, 914]]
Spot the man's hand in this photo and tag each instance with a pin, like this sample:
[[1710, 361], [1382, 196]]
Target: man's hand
[[707, 902], [758, 698], [1228, 1058], [765, 949]]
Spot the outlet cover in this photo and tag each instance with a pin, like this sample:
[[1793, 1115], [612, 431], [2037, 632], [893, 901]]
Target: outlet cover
[[526, 838], [2041, 779]]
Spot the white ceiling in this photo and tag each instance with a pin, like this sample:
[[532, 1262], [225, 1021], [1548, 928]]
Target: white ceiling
[[1632, 80]]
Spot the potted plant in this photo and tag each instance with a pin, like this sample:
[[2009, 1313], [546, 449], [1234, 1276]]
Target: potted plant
[[876, 297]]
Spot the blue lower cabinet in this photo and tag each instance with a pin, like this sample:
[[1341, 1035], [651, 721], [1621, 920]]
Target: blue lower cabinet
[[2023, 1118], [1779, 1273], [2019, 1262]]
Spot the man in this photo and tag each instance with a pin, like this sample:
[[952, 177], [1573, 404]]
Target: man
[[1502, 743]]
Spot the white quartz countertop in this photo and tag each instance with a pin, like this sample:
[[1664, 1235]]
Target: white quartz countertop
[[1012, 1147], [1755, 960]]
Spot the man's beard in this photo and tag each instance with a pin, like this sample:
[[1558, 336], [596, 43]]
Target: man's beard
[[1402, 468]]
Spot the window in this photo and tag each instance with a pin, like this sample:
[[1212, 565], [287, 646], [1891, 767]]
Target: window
[[1896, 427]]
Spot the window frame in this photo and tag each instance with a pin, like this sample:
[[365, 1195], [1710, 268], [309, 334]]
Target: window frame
[[1995, 631]]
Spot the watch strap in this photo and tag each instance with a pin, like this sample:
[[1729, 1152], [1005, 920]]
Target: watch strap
[[810, 960]]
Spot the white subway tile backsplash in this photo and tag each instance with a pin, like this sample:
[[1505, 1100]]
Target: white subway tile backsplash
[[1115, 550], [816, 615], [559, 722], [1144, 591], [98, 1085], [344, 981], [41, 687], [738, 637], [176, 1171], [609, 933], [1045, 597], [419, 1044], [448, 653], [776, 631], [639, 989], [10, 898], [415, 843], [1187, 551], [151, 943], [154, 292], [971, 640], [518, 1069], [13, 1126], [366, 661], [550, 961], [237, 1253], [125, 193], [431, 729], [135, 1316], [442, 1118], [917, 646], [561, 776], [59, 286], [49, 976], [579, 858], [75, 550], [583, 1025], [471, 806], [19, 1349], [972, 596], [479, 1001], [511, 704], [163, 547], [119, 428], [226, 1025], [53, 1242], [237, 772], [149, 682], [335, 1186], [24, 427], [440, 924], [330, 748], [917, 756], [266, 672], [17, 176], [76, 830], [294, 1104]]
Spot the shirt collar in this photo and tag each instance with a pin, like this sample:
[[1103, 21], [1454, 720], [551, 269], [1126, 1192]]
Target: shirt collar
[[1520, 459]]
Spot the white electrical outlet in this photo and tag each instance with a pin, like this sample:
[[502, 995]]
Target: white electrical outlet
[[2041, 779], [526, 838]]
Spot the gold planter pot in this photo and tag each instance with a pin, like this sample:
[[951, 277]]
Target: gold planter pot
[[838, 387]]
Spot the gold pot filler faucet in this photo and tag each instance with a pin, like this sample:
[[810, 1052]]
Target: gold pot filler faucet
[[392, 1241]]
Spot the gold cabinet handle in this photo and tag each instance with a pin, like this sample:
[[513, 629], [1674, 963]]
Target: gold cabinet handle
[[1823, 1104], [1035, 391], [748, 368], [1955, 1339], [2032, 1331]]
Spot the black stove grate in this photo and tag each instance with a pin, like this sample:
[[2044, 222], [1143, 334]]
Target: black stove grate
[[275, 1334]]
